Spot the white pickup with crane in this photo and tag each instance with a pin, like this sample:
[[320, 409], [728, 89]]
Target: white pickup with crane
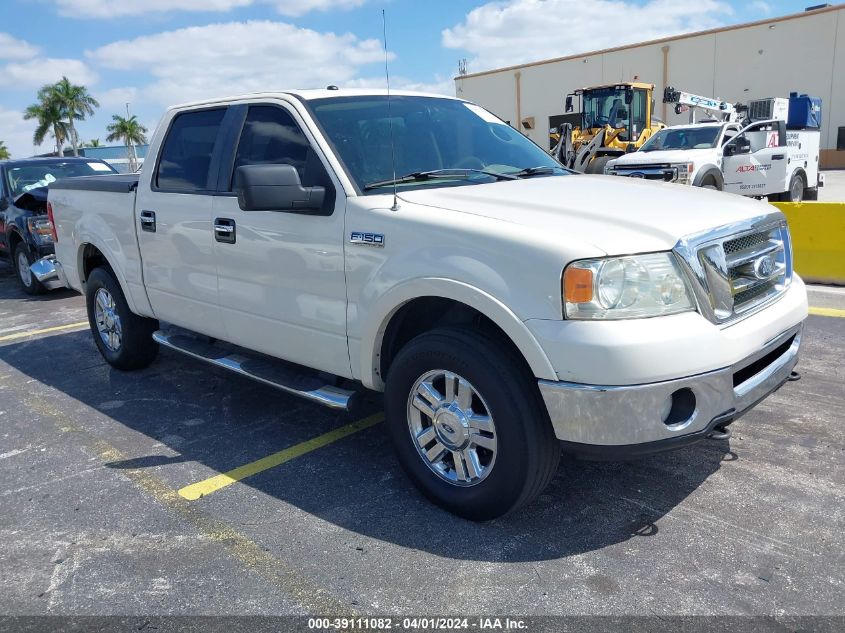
[[772, 152]]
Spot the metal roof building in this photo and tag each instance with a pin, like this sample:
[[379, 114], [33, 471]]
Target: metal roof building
[[802, 52]]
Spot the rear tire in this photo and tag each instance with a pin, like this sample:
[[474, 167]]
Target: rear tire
[[497, 448], [123, 338], [22, 260], [596, 166], [796, 189]]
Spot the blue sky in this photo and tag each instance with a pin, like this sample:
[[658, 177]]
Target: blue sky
[[153, 53]]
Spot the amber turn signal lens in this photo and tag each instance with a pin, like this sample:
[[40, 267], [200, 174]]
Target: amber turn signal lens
[[578, 285]]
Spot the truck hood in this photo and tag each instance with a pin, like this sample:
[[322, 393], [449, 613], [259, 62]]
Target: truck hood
[[616, 215], [696, 156]]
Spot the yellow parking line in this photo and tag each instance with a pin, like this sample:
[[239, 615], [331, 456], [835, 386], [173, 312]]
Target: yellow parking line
[[213, 484], [828, 312], [46, 330]]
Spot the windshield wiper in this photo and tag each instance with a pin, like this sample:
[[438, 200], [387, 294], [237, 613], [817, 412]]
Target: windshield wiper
[[534, 171], [419, 176]]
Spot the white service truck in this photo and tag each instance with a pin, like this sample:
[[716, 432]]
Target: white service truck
[[761, 159], [327, 241]]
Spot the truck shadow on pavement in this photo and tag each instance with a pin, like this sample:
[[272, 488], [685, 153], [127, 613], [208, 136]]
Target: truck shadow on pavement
[[179, 414]]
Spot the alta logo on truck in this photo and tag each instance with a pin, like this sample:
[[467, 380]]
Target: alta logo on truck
[[746, 168]]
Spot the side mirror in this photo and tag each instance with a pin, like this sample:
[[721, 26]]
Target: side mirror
[[275, 188], [739, 145], [630, 148], [569, 103]]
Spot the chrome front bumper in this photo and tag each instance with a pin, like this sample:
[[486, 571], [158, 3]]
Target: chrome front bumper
[[49, 272], [633, 415]]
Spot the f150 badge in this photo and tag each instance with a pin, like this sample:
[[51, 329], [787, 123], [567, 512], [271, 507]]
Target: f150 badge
[[367, 239]]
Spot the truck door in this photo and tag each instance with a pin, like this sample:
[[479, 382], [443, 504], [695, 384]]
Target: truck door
[[173, 212], [281, 274], [754, 161]]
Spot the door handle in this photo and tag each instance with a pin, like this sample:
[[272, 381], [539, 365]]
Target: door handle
[[224, 230], [778, 156], [148, 221]]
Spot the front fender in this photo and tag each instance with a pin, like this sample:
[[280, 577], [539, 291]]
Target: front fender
[[365, 352]]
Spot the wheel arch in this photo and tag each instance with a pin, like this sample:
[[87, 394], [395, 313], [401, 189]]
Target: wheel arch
[[709, 171], [90, 256], [15, 237], [421, 305]]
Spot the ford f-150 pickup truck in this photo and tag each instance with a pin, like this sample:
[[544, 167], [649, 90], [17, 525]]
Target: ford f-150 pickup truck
[[320, 241]]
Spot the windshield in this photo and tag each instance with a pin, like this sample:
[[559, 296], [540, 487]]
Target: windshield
[[605, 106], [29, 176], [683, 138], [428, 134]]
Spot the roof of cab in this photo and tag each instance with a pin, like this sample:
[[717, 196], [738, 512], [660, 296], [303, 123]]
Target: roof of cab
[[308, 95]]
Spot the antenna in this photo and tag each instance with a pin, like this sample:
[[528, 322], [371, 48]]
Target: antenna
[[395, 206]]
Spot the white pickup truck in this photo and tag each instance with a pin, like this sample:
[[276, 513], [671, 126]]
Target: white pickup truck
[[321, 241], [763, 159]]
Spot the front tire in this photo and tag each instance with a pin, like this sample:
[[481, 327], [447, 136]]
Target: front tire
[[23, 260], [596, 166], [123, 338], [468, 424]]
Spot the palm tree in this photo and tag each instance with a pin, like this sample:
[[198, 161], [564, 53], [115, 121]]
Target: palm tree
[[94, 142], [48, 113], [130, 132], [75, 103], [4, 151]]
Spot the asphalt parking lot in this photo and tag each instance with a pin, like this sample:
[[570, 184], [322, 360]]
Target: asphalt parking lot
[[92, 462]]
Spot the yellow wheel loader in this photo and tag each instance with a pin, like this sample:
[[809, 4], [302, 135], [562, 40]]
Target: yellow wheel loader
[[615, 119]]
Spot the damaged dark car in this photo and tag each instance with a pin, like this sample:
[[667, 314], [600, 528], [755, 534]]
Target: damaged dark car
[[26, 229]]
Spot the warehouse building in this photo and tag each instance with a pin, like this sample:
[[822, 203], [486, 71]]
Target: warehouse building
[[803, 52]]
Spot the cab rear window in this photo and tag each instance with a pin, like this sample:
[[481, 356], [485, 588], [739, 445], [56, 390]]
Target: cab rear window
[[186, 154]]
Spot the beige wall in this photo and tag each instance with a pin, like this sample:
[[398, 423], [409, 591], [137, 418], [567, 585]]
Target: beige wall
[[804, 54]]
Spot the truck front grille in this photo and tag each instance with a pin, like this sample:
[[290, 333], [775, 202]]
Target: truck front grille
[[664, 172], [738, 272]]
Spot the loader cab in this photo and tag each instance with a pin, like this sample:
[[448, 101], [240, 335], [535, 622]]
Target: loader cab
[[623, 107]]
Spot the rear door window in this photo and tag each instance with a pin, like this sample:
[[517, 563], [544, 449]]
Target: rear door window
[[185, 160]]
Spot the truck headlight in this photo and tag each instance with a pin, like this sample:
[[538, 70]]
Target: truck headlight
[[627, 287], [684, 171], [41, 229]]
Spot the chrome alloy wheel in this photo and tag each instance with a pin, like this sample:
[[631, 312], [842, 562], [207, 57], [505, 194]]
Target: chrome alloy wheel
[[108, 321], [451, 427], [23, 269]]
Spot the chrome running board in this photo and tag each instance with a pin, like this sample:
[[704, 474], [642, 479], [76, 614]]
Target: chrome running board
[[280, 374]]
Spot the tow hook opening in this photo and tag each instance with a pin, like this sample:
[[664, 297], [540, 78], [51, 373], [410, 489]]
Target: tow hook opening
[[679, 407]]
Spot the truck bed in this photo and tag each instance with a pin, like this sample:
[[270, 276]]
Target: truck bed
[[115, 183]]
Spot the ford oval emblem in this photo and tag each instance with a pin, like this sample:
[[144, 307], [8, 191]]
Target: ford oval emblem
[[636, 174], [764, 267]]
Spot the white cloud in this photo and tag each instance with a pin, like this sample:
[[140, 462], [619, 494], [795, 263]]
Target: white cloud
[[238, 57], [115, 97], [508, 32], [440, 85], [13, 48], [761, 7], [44, 70], [17, 134], [301, 7], [119, 8]]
